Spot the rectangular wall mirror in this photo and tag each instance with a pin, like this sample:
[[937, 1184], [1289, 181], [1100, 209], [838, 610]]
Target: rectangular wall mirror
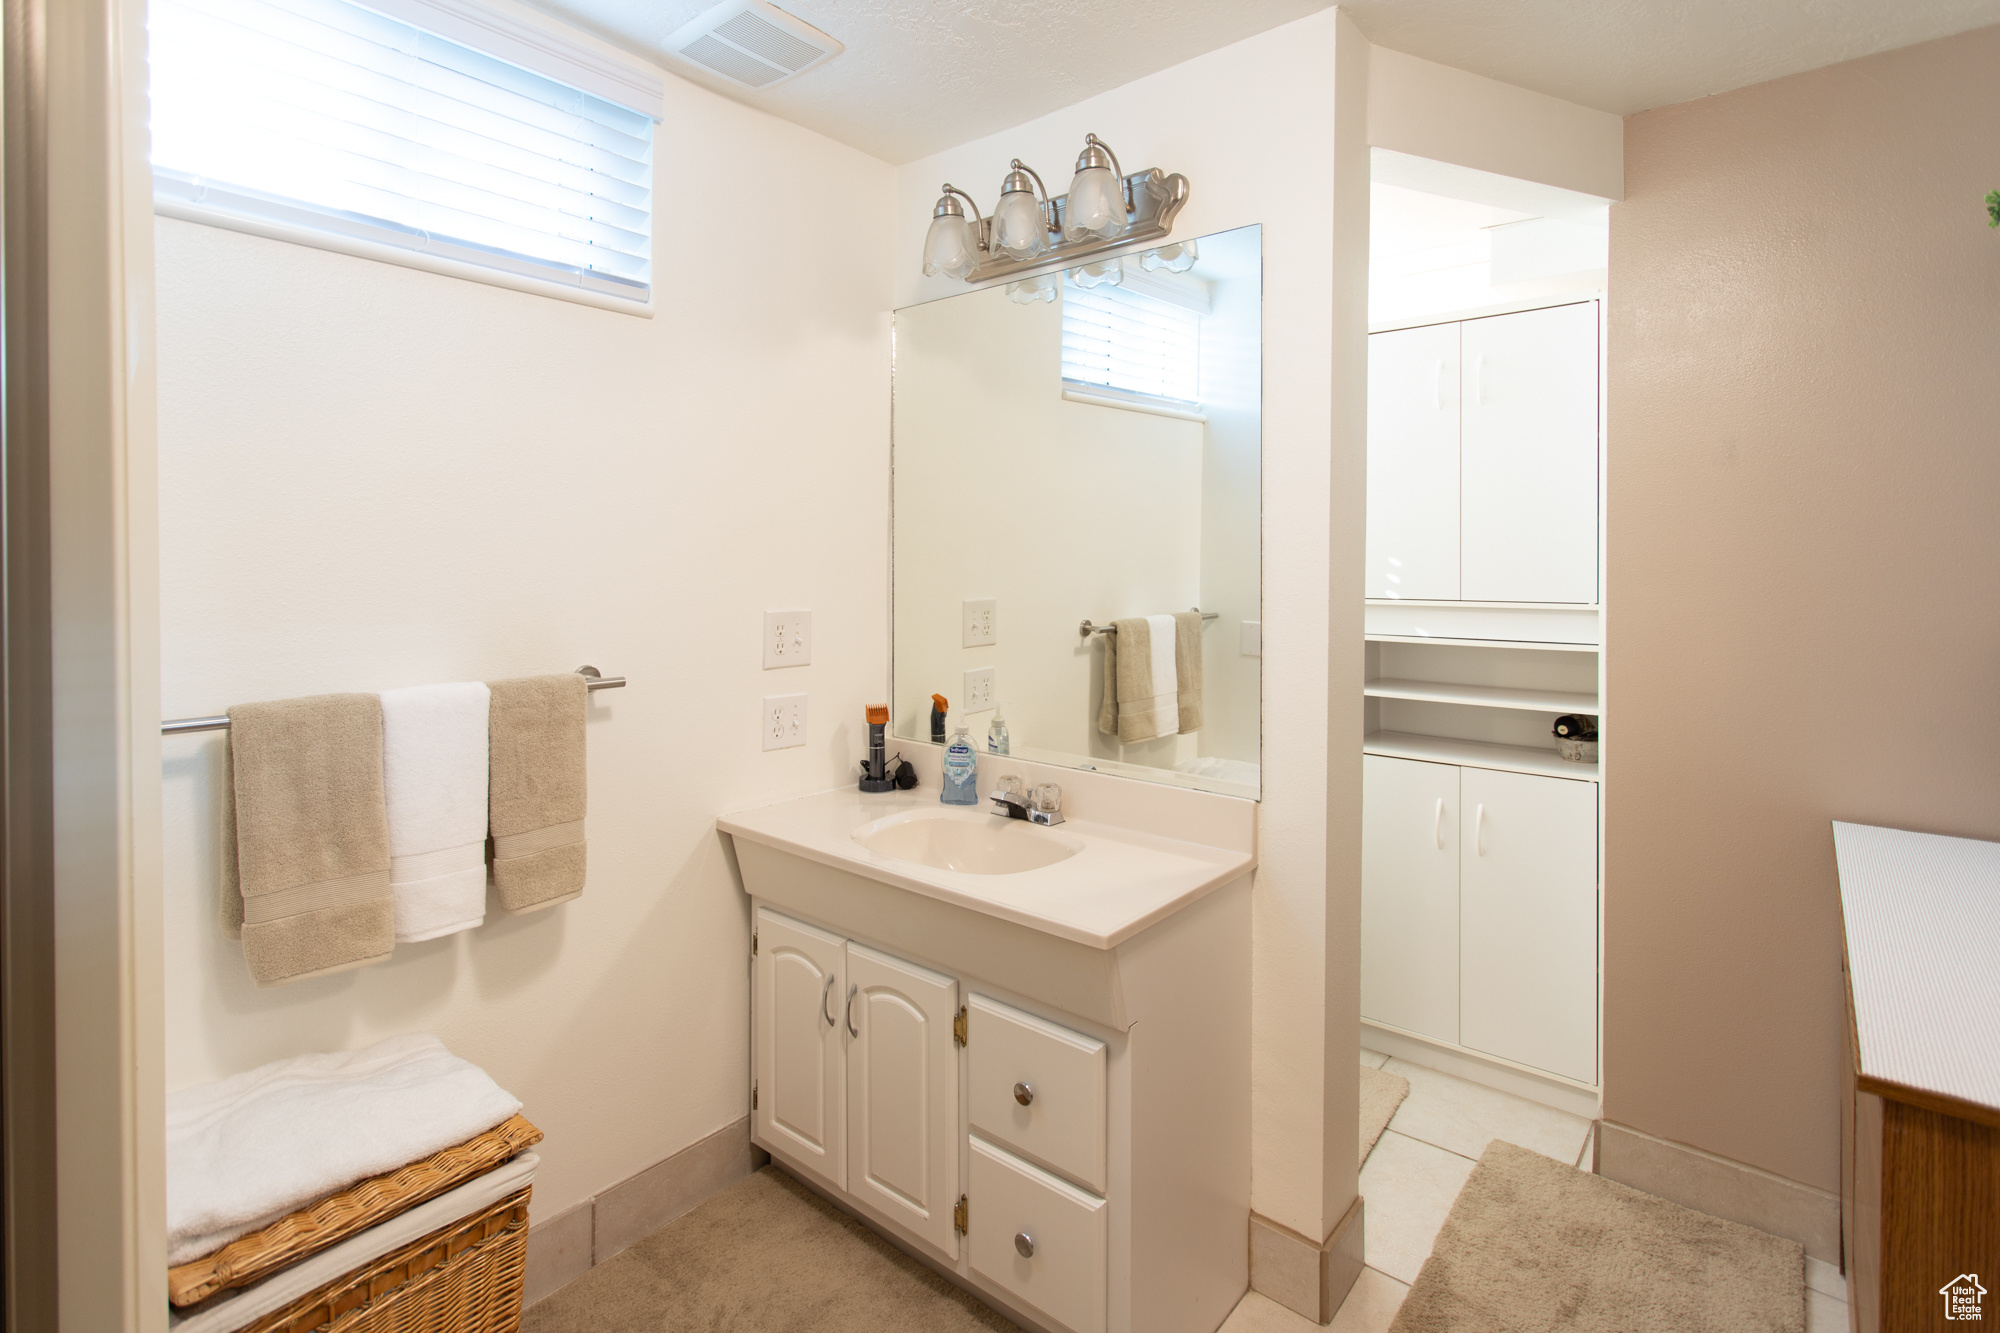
[[1068, 453]]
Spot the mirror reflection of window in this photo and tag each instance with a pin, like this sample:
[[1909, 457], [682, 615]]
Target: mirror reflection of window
[[1144, 345]]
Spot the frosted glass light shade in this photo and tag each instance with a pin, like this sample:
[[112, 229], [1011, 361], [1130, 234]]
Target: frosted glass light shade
[[1106, 273], [948, 249], [1030, 290], [1018, 231], [1096, 206], [1178, 258]]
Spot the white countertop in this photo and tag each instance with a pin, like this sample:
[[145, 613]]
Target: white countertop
[[1120, 883], [1922, 914]]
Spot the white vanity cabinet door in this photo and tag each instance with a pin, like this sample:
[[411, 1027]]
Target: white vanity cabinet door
[[1039, 1237], [902, 1092], [1528, 920], [801, 1066], [1409, 895], [1413, 470], [1528, 456]]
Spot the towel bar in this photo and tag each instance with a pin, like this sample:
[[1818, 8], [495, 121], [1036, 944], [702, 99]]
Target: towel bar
[[593, 681], [1086, 629]]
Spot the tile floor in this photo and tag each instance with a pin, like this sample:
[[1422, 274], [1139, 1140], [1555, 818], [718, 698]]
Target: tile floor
[[1414, 1175]]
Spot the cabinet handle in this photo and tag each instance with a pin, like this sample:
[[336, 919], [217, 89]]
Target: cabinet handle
[[1438, 388], [1479, 380], [825, 994], [1023, 1094], [1479, 830], [852, 1030], [1024, 1245], [1440, 823]]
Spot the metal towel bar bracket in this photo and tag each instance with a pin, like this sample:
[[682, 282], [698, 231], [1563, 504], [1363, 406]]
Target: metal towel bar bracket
[[1086, 629], [593, 680]]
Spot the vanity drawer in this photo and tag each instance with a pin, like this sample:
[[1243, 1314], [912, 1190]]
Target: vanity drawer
[[1038, 1237], [1059, 1072]]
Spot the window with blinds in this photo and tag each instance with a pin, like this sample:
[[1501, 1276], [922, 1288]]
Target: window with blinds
[[306, 118], [1131, 344]]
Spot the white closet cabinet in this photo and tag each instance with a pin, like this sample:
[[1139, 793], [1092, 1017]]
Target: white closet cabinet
[[1413, 447], [801, 1059], [1409, 895], [1482, 459], [1479, 910], [1528, 920], [1528, 456], [857, 1075]]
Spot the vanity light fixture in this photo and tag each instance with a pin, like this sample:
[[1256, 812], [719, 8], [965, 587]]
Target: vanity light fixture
[[1177, 258], [1103, 273], [1104, 209], [1027, 291]]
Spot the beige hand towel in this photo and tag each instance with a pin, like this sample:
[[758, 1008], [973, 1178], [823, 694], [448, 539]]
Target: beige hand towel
[[306, 837], [1138, 660], [535, 735], [1187, 668]]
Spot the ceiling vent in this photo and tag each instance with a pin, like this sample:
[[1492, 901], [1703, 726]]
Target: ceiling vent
[[752, 43]]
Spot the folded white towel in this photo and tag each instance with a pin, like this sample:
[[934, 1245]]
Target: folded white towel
[[246, 1151], [434, 765], [1161, 711]]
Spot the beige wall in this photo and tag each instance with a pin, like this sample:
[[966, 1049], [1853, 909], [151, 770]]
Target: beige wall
[[1804, 564], [372, 476]]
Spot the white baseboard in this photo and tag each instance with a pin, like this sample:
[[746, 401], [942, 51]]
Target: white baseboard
[[1481, 1069]]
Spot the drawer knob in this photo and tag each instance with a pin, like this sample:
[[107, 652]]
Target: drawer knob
[[1024, 1244], [1023, 1093]]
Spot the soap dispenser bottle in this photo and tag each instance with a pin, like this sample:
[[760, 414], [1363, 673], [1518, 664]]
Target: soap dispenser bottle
[[996, 732], [961, 773]]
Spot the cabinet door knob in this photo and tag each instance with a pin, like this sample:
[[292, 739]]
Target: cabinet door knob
[[1023, 1093], [1024, 1244]]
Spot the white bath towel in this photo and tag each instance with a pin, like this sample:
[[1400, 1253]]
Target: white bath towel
[[1163, 707], [246, 1151], [434, 778]]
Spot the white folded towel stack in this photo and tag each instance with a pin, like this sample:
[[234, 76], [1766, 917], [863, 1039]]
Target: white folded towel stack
[[434, 764], [246, 1151], [1162, 711]]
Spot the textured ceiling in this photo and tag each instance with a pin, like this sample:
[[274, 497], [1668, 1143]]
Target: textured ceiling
[[919, 76]]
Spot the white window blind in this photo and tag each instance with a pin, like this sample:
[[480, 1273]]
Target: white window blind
[[1118, 339], [320, 116]]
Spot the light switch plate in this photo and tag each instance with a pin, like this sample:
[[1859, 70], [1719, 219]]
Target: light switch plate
[[788, 638], [978, 694], [1253, 638], [784, 721], [982, 623]]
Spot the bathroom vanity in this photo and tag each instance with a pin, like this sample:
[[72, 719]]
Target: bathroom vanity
[[1021, 1053]]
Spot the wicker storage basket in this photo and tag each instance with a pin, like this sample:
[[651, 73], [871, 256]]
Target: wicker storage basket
[[462, 1278], [338, 1216]]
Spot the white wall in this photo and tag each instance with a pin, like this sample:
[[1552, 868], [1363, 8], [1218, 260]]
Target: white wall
[[373, 476], [1256, 127], [1061, 511]]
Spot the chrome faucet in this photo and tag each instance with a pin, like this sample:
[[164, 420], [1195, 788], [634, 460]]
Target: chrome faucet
[[1041, 806]]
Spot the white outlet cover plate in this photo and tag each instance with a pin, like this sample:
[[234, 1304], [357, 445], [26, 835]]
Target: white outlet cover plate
[[982, 623], [784, 721], [1253, 638], [978, 694], [788, 638]]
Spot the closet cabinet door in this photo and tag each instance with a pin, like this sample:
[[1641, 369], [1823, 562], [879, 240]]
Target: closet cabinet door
[[1528, 920], [902, 1092], [801, 1069], [1409, 895], [1413, 388], [1529, 456]]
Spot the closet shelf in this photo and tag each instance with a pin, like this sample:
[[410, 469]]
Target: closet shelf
[[1475, 754], [1482, 696], [1440, 641]]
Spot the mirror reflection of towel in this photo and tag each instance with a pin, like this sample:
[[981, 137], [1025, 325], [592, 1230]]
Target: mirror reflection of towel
[[1146, 694]]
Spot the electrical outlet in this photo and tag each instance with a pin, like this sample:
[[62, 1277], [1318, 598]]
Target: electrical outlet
[[982, 623], [784, 721], [788, 638], [978, 694]]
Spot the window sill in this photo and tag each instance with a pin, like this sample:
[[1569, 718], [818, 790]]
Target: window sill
[[1077, 393], [396, 254]]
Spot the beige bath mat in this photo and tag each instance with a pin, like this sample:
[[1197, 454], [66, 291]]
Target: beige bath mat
[[1533, 1245], [1381, 1094]]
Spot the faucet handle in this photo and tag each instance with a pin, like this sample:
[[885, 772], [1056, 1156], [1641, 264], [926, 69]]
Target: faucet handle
[[1047, 798], [1008, 787]]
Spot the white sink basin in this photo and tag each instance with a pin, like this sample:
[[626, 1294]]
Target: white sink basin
[[972, 843]]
